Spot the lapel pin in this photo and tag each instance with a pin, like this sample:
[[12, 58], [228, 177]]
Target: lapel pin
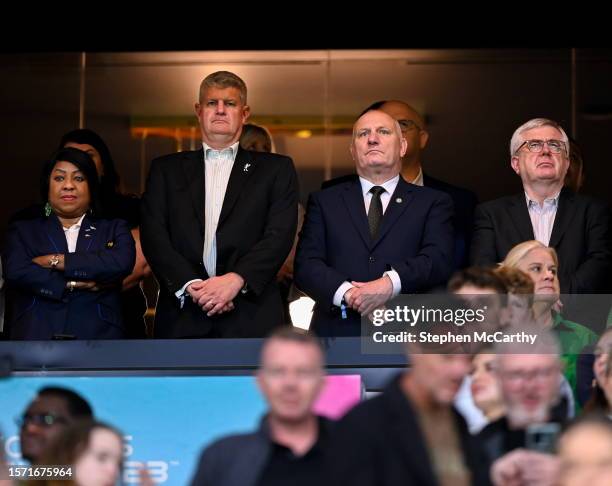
[[398, 200], [246, 167]]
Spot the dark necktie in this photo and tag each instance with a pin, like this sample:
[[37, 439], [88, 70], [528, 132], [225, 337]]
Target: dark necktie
[[375, 213]]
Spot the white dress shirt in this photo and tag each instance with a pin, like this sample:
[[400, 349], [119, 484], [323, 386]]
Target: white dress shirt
[[385, 197], [218, 166], [543, 217], [72, 234]]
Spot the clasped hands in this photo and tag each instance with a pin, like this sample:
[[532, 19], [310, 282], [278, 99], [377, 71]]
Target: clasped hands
[[215, 295], [364, 297]]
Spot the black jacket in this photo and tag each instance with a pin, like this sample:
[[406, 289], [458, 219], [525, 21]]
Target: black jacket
[[255, 233], [380, 442]]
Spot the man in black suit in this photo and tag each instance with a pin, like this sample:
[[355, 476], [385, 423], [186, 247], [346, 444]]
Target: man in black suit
[[414, 130], [367, 240], [577, 226], [217, 224]]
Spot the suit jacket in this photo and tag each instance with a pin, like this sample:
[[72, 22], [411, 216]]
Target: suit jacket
[[581, 235], [254, 235], [415, 239], [382, 444], [464, 202], [42, 306]]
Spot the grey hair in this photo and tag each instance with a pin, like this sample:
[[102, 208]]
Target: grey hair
[[517, 140]]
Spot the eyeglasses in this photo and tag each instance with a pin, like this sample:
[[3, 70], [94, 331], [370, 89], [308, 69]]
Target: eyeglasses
[[40, 419], [538, 375], [536, 146], [406, 125]]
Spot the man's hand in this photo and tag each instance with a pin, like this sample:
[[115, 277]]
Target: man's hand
[[525, 468], [215, 295], [364, 297]]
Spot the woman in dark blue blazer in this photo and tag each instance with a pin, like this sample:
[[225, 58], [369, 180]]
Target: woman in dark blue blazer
[[66, 268]]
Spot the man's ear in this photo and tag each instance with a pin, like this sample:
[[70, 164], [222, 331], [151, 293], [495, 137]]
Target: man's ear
[[404, 147], [423, 138], [198, 109], [514, 163], [246, 113]]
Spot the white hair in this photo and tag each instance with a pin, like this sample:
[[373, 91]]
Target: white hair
[[517, 140]]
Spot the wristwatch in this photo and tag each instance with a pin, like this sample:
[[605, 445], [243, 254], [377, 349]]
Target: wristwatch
[[53, 261]]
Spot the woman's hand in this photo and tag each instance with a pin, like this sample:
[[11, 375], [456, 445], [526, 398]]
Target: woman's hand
[[48, 261]]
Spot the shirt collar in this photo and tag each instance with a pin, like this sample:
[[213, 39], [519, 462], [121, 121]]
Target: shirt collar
[[325, 426], [549, 201], [233, 147], [389, 185], [418, 180], [77, 225]]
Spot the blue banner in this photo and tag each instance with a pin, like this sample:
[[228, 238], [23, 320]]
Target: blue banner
[[166, 421]]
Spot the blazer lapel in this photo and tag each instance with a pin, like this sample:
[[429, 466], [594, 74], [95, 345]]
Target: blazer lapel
[[55, 234], [400, 199], [244, 166], [565, 213], [519, 215], [193, 168], [87, 234], [353, 199]]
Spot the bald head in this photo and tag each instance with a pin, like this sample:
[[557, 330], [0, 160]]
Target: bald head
[[412, 125], [401, 111], [377, 147]]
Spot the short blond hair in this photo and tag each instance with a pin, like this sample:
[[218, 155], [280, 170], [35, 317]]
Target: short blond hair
[[520, 251], [224, 79]]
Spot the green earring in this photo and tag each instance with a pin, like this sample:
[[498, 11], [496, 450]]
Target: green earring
[[48, 209]]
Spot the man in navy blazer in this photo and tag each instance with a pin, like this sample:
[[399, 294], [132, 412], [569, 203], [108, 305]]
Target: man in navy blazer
[[366, 240], [414, 130]]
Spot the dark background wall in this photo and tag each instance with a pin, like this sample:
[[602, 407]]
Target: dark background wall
[[473, 100]]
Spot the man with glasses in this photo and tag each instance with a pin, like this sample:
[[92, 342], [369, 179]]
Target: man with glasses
[[290, 445], [518, 446], [577, 226], [51, 411]]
